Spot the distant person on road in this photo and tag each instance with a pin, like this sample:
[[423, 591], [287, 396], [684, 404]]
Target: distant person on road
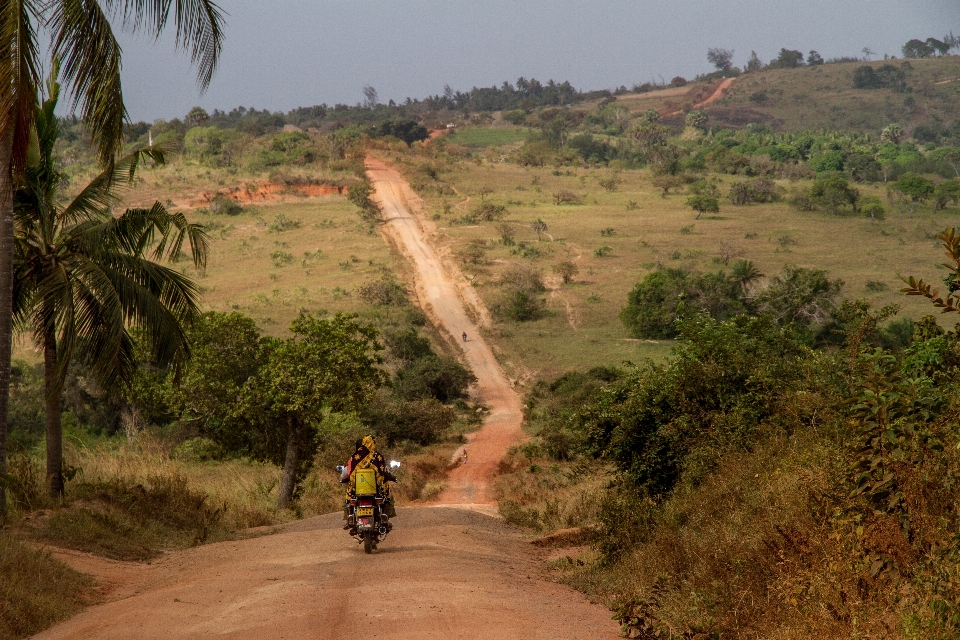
[[464, 336], [463, 456]]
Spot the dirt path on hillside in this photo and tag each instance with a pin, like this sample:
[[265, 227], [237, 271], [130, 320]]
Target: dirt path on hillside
[[443, 573], [717, 93], [445, 297]]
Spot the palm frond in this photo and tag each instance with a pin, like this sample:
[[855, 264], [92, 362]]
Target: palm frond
[[199, 25], [90, 55], [104, 191]]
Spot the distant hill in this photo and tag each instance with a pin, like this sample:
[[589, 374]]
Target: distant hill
[[927, 93]]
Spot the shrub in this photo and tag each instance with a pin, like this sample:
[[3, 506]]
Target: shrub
[[523, 278], [408, 345], [222, 205], [654, 304], [423, 420], [566, 270], [602, 252], [489, 212], [283, 223], [520, 306], [440, 377], [564, 196], [384, 292], [755, 191]]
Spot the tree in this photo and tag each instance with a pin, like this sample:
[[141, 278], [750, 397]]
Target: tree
[[799, 296], [814, 58], [227, 350], [944, 193], [566, 270], [914, 187], [404, 129], [697, 119], [872, 208], [328, 365], [539, 227], [82, 38], [722, 59], [917, 49], [867, 52], [891, 133], [650, 116], [745, 273], [754, 63], [370, 100], [949, 156], [703, 204], [197, 115], [84, 279], [787, 59], [834, 192], [938, 47]]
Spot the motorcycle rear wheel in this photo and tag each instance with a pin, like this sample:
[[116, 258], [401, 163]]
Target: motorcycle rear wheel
[[368, 541]]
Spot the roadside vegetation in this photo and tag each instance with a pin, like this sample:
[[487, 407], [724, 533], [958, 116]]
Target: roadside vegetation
[[723, 402]]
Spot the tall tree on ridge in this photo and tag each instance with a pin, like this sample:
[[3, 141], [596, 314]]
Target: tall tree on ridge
[[83, 39]]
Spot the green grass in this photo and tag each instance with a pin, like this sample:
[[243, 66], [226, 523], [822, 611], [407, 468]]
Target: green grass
[[582, 328], [36, 591], [488, 137]]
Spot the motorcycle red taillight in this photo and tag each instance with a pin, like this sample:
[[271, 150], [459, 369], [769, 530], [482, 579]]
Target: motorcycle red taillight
[[365, 502]]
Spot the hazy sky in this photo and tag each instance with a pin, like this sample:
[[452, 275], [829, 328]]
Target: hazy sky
[[281, 54]]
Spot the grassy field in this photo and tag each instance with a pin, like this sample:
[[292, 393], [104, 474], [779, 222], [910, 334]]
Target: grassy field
[[616, 237], [487, 136]]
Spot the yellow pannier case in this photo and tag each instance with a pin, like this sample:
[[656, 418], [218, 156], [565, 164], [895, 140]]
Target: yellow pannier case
[[366, 482]]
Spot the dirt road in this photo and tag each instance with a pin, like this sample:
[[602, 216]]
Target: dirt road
[[444, 572], [445, 296]]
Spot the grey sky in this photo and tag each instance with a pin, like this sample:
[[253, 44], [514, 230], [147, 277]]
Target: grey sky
[[281, 54]]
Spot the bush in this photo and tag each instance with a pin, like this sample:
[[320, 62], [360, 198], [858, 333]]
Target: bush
[[408, 345], [440, 377], [756, 191], [566, 270], [564, 196], [222, 205], [654, 304], [489, 212], [385, 292], [422, 420]]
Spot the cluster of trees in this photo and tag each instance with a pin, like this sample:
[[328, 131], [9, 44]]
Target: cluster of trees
[[55, 307], [930, 47]]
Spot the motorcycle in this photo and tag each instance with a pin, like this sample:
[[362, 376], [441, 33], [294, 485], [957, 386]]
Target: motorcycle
[[367, 518]]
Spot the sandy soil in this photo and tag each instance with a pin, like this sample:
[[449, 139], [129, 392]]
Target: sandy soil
[[444, 572]]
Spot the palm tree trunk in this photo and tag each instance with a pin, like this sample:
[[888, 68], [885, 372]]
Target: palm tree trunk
[[6, 299], [54, 428], [290, 463]]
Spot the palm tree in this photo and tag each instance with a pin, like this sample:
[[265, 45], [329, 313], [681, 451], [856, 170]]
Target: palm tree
[[82, 37], [84, 279], [745, 273]]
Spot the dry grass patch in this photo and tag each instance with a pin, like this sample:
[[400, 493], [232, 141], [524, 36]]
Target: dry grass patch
[[36, 591]]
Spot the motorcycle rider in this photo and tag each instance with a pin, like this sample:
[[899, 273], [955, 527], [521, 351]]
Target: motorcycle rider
[[367, 456]]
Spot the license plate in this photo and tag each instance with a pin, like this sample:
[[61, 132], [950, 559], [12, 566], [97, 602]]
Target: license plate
[[365, 511]]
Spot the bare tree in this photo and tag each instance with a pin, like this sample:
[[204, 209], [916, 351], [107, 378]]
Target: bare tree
[[370, 100]]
